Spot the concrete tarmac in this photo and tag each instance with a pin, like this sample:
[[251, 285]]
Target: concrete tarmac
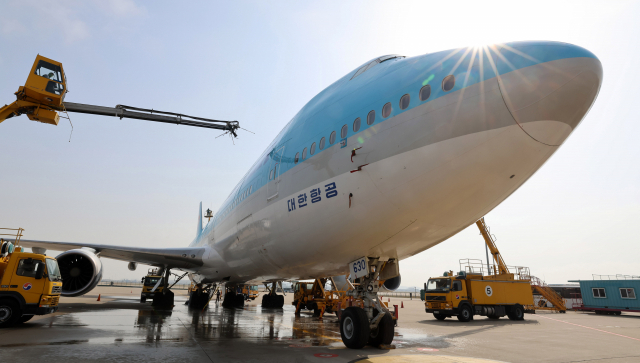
[[120, 328]]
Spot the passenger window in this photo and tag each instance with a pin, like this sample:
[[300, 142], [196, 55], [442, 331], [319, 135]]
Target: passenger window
[[27, 267], [425, 92], [343, 132], [304, 153], [371, 117], [404, 101], [448, 83], [356, 125], [295, 160], [322, 143], [386, 110], [312, 149], [332, 138]]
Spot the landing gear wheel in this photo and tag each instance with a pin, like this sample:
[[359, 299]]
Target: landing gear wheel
[[143, 300], [24, 318], [516, 312], [354, 327], [9, 313], [383, 334], [439, 316], [164, 299], [465, 314], [266, 301], [279, 301], [229, 300], [239, 301]]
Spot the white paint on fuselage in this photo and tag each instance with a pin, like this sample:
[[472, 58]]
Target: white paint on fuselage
[[402, 204]]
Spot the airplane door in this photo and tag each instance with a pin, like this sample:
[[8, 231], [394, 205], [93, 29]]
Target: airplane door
[[274, 173]]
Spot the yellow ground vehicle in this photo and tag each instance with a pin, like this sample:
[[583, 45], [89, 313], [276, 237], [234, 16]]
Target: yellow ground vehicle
[[253, 292], [30, 283], [152, 284], [471, 292]]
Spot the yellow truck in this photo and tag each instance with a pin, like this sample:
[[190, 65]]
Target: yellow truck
[[502, 291], [152, 284], [30, 283], [467, 294]]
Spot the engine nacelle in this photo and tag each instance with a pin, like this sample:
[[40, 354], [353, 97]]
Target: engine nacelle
[[81, 271], [132, 266], [392, 284]]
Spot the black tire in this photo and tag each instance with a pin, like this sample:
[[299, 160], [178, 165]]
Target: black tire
[[618, 313], [267, 301], [383, 334], [229, 300], [24, 318], [239, 302], [316, 312], [143, 300], [279, 301], [439, 316], [354, 327], [465, 314], [516, 312], [10, 312]]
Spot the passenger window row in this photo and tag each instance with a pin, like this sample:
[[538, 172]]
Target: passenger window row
[[425, 92]]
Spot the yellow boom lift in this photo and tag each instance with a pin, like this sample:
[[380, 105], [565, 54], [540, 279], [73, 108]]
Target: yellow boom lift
[[30, 283], [42, 100]]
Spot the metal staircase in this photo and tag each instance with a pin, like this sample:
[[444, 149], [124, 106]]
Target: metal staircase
[[541, 288]]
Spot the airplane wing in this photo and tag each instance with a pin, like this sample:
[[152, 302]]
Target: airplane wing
[[182, 258]]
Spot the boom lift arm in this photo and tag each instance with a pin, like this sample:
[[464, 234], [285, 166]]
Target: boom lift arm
[[42, 97], [502, 266]]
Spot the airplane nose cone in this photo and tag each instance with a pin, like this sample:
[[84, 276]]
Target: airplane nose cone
[[548, 87]]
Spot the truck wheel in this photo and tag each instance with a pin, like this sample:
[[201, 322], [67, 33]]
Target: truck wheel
[[10, 313], [618, 313], [439, 316], [383, 334], [516, 312], [465, 314], [354, 327], [24, 318]]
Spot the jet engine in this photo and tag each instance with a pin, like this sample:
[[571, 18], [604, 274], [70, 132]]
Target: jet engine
[[392, 284], [81, 271]]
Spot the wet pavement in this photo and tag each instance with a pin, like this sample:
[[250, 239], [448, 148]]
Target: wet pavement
[[119, 328]]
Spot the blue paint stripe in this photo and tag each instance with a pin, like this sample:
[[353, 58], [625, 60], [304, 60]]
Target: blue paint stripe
[[345, 100]]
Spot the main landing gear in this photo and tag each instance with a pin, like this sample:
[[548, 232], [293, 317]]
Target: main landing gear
[[232, 299], [271, 300], [200, 295], [370, 322]]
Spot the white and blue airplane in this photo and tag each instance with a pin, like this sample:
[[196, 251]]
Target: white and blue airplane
[[393, 158]]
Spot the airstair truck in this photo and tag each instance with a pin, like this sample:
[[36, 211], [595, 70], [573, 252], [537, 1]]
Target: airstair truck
[[30, 283], [501, 292]]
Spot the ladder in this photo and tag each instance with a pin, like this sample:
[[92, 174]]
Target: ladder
[[541, 288]]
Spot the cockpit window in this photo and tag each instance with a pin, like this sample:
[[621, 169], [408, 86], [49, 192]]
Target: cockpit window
[[374, 62], [49, 71]]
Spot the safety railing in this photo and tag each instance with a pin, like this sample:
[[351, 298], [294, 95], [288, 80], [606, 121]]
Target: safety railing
[[14, 233], [615, 277]]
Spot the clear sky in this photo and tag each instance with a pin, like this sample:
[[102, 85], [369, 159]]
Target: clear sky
[[135, 183]]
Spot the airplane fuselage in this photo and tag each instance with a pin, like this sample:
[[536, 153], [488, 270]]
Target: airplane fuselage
[[422, 171]]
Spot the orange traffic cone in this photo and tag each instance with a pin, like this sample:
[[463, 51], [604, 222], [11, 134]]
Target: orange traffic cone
[[388, 299], [402, 304], [98, 297], [132, 291]]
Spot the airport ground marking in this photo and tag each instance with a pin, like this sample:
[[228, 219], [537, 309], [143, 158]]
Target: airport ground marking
[[588, 327]]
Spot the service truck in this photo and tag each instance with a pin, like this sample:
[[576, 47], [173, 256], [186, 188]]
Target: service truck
[[152, 285], [30, 283], [502, 291]]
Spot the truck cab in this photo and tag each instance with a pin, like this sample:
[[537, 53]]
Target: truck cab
[[443, 295], [30, 284], [149, 282]]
